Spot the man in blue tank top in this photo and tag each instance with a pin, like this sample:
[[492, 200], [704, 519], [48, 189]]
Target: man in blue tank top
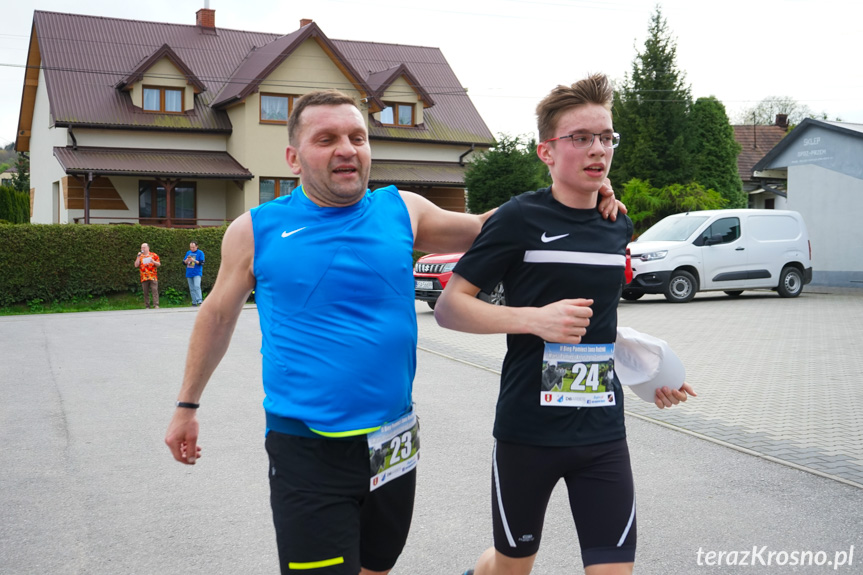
[[331, 266]]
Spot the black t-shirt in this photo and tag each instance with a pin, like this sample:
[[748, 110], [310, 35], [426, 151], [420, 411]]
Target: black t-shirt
[[543, 252]]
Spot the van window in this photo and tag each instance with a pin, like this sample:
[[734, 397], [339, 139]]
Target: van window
[[672, 229], [728, 228], [773, 228]]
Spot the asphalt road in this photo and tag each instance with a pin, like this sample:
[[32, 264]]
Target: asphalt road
[[88, 487]]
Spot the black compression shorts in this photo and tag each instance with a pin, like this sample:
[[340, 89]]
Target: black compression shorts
[[601, 496], [327, 521]]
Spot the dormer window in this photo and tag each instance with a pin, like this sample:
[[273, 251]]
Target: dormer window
[[168, 100], [398, 115], [275, 108]]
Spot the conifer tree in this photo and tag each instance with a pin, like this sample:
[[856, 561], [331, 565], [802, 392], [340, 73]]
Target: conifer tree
[[713, 151], [650, 111], [508, 169]]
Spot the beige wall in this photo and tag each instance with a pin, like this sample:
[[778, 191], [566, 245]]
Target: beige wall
[[400, 91], [261, 147], [164, 74], [44, 168], [417, 151], [155, 140]]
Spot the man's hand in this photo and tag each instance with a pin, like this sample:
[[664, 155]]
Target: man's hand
[[666, 397], [564, 321], [608, 205], [182, 436]]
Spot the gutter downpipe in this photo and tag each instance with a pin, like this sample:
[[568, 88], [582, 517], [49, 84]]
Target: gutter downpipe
[[461, 157], [87, 197]]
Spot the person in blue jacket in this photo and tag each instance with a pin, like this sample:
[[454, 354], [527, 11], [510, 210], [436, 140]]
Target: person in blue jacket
[[194, 262]]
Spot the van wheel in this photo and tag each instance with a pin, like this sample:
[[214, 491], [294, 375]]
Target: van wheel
[[431, 304], [630, 295], [681, 287], [734, 293], [790, 282]]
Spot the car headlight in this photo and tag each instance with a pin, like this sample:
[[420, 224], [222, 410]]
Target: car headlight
[[449, 267], [653, 256]]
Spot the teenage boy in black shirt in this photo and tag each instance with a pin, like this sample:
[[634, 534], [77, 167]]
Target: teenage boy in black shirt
[[562, 267]]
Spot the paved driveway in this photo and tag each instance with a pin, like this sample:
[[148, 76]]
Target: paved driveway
[[778, 377]]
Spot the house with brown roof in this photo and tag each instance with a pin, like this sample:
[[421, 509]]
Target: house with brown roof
[[755, 142], [185, 125]]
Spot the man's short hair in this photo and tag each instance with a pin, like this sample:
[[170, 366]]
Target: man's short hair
[[595, 89], [319, 98]]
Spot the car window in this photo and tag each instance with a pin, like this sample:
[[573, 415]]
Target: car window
[[727, 228]]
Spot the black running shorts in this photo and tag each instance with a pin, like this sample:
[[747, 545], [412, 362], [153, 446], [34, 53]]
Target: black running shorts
[[327, 521], [601, 496]]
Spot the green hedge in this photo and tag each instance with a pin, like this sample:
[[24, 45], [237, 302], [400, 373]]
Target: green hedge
[[63, 261], [14, 206]]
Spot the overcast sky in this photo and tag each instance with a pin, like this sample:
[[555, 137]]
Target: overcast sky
[[509, 53]]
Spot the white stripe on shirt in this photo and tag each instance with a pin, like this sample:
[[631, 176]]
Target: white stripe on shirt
[[562, 257]]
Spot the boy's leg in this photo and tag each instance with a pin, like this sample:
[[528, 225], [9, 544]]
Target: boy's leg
[[523, 477], [606, 525], [493, 562]]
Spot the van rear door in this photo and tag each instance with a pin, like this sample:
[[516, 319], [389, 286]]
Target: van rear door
[[772, 241]]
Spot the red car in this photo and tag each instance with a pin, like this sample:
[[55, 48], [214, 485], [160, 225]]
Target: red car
[[432, 272]]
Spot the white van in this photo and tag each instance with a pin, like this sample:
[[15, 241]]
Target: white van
[[721, 250]]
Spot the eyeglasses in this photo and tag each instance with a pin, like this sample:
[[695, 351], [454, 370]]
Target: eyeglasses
[[586, 140]]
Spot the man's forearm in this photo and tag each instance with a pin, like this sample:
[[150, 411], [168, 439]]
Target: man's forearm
[[207, 346]]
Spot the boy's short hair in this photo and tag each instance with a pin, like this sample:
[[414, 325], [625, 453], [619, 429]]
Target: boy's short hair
[[595, 89], [318, 98]]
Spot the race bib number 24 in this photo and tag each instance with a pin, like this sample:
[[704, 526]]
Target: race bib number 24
[[577, 375]]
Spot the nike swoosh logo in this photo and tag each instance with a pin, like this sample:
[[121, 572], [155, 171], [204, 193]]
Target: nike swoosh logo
[[286, 234], [546, 239]]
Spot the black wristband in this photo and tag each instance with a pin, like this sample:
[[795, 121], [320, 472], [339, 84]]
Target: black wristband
[[188, 405]]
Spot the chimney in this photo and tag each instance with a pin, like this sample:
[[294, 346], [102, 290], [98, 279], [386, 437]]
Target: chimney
[[206, 18], [782, 121], [305, 22]]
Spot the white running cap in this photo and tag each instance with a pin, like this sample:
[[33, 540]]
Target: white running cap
[[645, 363]]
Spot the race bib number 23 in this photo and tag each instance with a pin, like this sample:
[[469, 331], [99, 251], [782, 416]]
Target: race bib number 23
[[394, 450]]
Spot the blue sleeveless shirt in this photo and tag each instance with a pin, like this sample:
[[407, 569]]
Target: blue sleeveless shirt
[[335, 296]]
